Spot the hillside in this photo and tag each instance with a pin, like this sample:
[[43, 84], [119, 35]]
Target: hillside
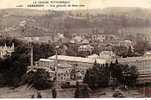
[[25, 22]]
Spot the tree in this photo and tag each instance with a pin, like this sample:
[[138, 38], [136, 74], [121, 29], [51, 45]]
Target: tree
[[13, 68], [120, 51], [100, 75], [82, 91], [43, 50], [130, 74], [130, 52], [124, 74], [40, 79]]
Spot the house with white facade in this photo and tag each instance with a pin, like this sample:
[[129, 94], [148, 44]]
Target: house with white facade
[[6, 50]]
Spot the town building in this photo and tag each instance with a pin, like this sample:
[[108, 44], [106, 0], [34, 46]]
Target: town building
[[85, 42], [147, 53], [127, 43], [45, 63], [94, 56], [143, 65], [76, 39], [85, 50], [98, 38], [6, 50], [68, 67], [107, 55], [64, 72]]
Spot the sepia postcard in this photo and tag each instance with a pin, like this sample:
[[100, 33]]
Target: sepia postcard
[[75, 49]]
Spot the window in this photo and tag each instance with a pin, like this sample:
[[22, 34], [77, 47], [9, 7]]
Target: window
[[82, 72]]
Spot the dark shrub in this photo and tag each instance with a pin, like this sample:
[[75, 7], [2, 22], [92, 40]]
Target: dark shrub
[[39, 79]]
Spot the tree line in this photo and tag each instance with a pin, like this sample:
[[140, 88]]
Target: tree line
[[113, 74]]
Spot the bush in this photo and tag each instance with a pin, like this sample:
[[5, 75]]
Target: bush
[[39, 79]]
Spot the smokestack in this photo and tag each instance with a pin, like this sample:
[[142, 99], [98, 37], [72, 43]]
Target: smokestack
[[31, 59]]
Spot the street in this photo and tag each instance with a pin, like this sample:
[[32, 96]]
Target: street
[[24, 92]]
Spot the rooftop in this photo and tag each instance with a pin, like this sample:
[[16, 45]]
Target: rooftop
[[47, 60], [133, 59], [77, 59]]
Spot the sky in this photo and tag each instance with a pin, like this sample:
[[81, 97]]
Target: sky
[[120, 3], [90, 4]]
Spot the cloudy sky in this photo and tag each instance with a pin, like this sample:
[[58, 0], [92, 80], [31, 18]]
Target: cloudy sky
[[91, 4]]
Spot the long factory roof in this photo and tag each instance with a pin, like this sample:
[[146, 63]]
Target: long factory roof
[[77, 59], [90, 60]]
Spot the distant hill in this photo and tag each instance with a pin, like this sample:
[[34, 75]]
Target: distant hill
[[27, 22], [22, 12]]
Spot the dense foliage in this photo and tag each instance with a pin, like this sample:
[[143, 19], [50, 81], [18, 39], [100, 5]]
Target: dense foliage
[[14, 67], [101, 75], [97, 76], [125, 74], [43, 50], [39, 79]]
